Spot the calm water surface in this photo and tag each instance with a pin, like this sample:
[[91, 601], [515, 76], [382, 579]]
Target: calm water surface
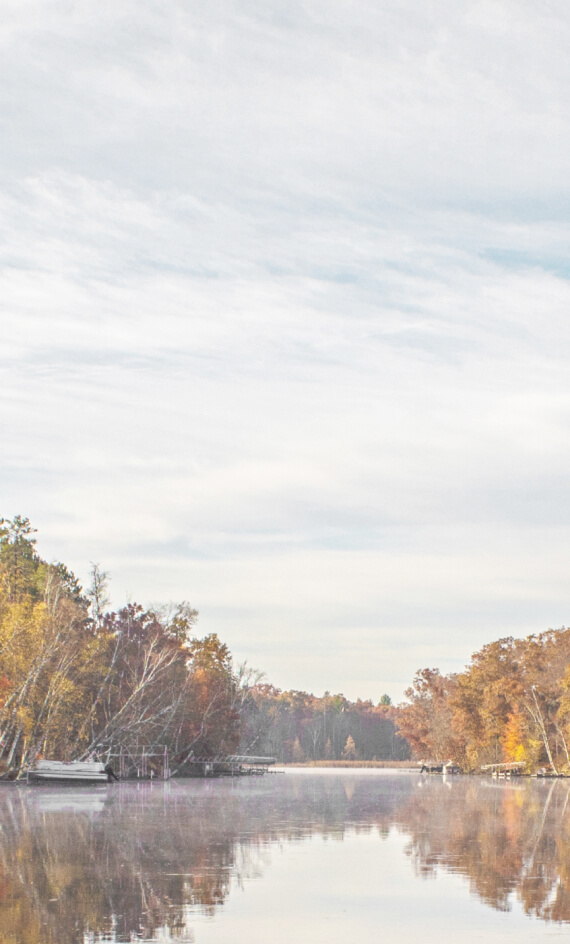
[[323, 857]]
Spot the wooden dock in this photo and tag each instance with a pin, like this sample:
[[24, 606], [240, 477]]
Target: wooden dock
[[506, 770], [159, 766], [229, 765]]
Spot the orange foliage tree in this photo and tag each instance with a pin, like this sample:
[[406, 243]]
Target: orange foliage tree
[[512, 703]]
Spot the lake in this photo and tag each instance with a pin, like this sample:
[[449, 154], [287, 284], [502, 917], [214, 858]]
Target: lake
[[323, 857]]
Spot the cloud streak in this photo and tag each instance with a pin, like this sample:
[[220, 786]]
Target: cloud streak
[[284, 305]]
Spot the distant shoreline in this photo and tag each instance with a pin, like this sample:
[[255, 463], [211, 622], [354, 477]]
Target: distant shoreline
[[393, 764]]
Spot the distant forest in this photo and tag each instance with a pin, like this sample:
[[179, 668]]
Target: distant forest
[[80, 680], [295, 727]]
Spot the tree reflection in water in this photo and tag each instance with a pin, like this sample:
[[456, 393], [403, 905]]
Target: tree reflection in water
[[507, 839], [127, 861]]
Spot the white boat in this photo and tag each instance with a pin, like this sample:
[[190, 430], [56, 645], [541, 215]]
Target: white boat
[[75, 771]]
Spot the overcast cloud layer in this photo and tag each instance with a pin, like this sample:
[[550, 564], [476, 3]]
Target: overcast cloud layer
[[285, 332]]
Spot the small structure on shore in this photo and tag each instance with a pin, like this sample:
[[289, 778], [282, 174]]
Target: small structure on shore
[[230, 765], [438, 767], [505, 771], [160, 766], [451, 768], [142, 765]]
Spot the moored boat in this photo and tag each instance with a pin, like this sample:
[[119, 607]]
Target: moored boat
[[75, 771]]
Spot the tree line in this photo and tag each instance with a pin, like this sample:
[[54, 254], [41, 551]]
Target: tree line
[[510, 704], [78, 680], [296, 726]]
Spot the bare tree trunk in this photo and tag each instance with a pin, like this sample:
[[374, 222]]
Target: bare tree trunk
[[563, 742], [540, 721]]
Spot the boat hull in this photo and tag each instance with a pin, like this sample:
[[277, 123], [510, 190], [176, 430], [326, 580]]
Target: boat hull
[[61, 778], [74, 772]]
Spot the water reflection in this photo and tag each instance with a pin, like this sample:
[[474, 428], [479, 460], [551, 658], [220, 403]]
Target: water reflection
[[125, 862], [507, 839]]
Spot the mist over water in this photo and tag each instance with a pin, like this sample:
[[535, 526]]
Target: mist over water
[[321, 857]]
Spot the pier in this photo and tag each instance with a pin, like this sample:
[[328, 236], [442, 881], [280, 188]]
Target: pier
[[230, 765], [154, 765], [506, 770]]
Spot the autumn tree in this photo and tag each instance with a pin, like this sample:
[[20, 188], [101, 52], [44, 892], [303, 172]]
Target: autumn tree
[[427, 720], [511, 703], [45, 649], [349, 752]]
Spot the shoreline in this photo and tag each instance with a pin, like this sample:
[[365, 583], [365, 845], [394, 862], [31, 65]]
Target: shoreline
[[386, 764]]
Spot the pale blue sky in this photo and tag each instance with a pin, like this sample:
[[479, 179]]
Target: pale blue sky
[[285, 303]]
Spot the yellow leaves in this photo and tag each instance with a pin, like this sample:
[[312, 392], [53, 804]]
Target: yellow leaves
[[349, 752], [564, 709], [514, 738], [44, 658], [22, 633]]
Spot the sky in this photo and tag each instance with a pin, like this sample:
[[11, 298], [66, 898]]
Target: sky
[[285, 297]]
